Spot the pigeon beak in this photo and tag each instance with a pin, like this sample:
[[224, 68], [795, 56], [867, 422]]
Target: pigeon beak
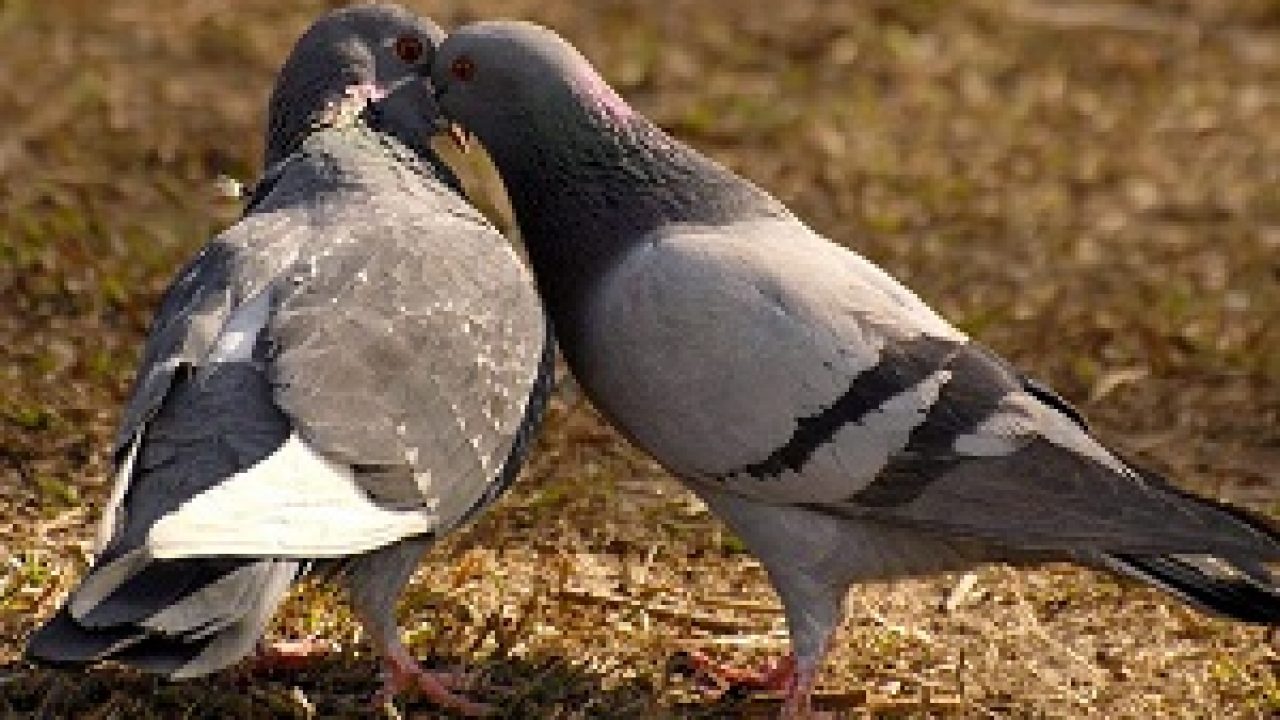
[[460, 136]]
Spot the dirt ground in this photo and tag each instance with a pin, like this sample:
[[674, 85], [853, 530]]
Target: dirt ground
[[1089, 187]]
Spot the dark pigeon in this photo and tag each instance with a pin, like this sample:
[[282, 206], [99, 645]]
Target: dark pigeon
[[351, 371], [842, 428]]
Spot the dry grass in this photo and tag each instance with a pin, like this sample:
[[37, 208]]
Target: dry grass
[[1089, 187]]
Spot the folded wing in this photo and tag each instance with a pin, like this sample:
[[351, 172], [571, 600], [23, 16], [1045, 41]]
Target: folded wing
[[837, 390]]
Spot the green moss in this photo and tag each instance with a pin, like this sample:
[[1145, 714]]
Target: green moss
[[56, 492], [31, 417]]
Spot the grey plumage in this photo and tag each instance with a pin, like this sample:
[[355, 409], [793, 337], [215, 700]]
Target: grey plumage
[[842, 428], [351, 370]]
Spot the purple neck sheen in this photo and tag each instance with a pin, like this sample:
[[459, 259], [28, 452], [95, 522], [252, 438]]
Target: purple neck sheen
[[603, 98], [599, 180]]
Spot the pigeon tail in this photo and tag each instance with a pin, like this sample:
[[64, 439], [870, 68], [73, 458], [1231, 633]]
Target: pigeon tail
[[193, 624], [1236, 589], [1202, 528], [1234, 585]]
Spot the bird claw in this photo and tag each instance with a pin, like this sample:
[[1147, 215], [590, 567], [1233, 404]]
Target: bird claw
[[779, 678], [403, 675], [784, 678]]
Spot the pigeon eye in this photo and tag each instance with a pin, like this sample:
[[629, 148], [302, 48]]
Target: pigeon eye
[[408, 48], [463, 68]]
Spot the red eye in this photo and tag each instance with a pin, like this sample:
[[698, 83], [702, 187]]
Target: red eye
[[463, 68], [408, 48]]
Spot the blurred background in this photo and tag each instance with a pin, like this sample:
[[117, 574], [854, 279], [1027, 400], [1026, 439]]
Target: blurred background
[[1089, 187]]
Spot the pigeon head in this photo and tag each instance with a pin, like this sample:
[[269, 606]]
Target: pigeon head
[[378, 53], [505, 80], [589, 177]]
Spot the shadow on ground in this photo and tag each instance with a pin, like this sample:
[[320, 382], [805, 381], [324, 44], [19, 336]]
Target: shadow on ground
[[338, 687], [343, 686]]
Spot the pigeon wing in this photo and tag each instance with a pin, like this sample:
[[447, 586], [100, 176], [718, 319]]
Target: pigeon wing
[[398, 350], [415, 351], [836, 389]]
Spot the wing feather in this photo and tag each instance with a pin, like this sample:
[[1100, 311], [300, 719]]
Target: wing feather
[[836, 389]]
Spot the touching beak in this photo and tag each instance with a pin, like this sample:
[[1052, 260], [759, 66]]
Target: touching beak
[[459, 135]]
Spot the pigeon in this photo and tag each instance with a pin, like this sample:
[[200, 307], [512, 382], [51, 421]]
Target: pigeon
[[352, 370], [838, 425]]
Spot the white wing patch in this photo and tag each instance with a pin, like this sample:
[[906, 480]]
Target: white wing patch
[[294, 503], [234, 344]]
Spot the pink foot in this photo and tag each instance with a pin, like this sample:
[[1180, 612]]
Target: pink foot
[[779, 678], [785, 678], [289, 654], [404, 674]]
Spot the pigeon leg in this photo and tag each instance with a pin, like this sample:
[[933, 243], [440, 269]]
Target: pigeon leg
[[799, 700], [814, 609], [374, 581], [403, 674]]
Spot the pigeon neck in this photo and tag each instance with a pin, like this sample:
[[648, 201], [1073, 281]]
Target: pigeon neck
[[350, 157], [601, 183], [357, 111], [293, 116]]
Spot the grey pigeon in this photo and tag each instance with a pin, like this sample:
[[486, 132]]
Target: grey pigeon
[[353, 369], [836, 423]]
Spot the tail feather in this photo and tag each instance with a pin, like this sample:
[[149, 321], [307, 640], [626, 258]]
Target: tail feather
[[62, 641], [1235, 586], [161, 655], [1255, 522], [1241, 590], [159, 585], [205, 615], [1250, 528]]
